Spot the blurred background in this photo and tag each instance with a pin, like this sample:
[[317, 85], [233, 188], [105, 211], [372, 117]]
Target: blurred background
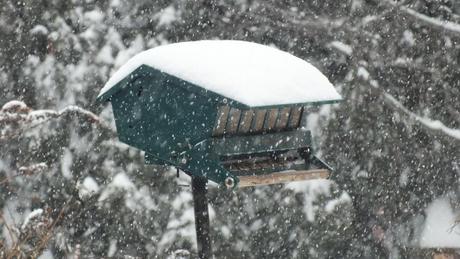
[[69, 189]]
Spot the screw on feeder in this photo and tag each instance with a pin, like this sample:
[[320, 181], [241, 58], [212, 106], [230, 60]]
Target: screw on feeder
[[229, 182], [183, 161]]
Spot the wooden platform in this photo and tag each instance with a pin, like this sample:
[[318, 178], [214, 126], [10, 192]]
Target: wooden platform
[[282, 177]]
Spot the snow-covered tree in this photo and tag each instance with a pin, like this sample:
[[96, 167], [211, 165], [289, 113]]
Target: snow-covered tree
[[68, 187]]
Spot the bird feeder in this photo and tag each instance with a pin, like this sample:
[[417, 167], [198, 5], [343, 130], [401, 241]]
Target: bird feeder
[[231, 112], [177, 109]]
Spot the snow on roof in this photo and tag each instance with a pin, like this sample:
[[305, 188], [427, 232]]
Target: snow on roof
[[440, 229], [250, 73]]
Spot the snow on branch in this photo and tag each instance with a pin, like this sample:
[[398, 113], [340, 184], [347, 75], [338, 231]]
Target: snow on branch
[[25, 170], [19, 115], [429, 123], [450, 26], [433, 125], [32, 169], [446, 25], [341, 47], [15, 111]]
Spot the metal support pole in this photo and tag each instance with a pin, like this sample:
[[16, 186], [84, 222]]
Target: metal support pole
[[200, 202]]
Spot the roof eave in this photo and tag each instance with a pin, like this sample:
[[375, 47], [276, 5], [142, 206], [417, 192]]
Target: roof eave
[[138, 72], [321, 102]]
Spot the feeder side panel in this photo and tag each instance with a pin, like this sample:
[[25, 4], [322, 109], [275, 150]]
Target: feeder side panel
[[127, 111], [176, 117]]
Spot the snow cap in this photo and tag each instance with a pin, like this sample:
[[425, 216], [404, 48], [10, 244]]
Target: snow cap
[[440, 229], [249, 73]]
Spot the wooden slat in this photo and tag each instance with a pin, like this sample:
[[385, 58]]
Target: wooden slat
[[233, 121], [283, 118], [258, 123], [271, 119], [294, 119], [246, 121], [282, 177], [221, 121]]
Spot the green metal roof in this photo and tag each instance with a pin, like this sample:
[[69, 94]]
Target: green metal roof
[[145, 70]]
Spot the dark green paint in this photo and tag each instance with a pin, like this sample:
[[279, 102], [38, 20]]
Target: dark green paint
[[160, 114], [172, 121]]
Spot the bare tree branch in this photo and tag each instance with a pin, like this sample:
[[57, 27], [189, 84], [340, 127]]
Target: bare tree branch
[[446, 25], [433, 22], [19, 115], [435, 125], [430, 124]]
